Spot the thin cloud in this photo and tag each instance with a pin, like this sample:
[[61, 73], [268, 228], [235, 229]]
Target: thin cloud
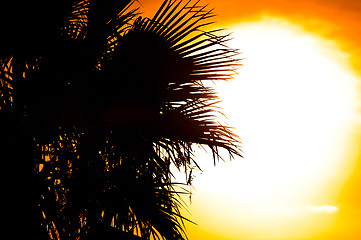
[[323, 209]]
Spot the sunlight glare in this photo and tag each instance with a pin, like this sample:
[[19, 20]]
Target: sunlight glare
[[294, 106]]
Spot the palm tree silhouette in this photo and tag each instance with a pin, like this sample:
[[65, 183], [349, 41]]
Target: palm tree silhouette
[[101, 101]]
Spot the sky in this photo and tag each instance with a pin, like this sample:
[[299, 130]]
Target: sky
[[309, 185], [334, 19]]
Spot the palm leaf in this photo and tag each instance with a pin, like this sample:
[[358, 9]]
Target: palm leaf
[[110, 175], [164, 61], [6, 84], [77, 20]]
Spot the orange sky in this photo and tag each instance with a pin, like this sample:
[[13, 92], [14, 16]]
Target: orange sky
[[338, 20], [335, 19]]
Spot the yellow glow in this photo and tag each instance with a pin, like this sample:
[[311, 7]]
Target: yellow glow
[[294, 104]]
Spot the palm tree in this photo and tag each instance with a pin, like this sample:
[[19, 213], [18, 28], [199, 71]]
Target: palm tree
[[105, 112]]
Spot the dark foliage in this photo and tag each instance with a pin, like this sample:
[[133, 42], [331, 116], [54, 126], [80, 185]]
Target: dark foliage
[[97, 103]]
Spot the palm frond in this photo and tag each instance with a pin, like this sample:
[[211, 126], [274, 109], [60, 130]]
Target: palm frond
[[117, 26], [6, 83], [113, 176], [164, 61], [197, 119], [77, 20], [124, 192]]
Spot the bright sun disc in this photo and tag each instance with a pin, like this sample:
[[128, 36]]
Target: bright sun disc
[[294, 106]]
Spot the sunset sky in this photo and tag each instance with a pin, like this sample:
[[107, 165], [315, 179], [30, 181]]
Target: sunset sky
[[296, 105]]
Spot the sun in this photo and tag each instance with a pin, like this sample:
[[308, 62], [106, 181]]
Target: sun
[[294, 105]]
